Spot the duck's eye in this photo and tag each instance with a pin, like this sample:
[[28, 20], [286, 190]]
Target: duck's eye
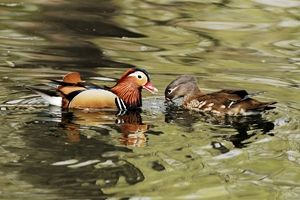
[[139, 76], [169, 91]]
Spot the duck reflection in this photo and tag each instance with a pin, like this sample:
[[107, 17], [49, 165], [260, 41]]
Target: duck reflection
[[129, 124], [97, 165], [132, 129], [246, 126]]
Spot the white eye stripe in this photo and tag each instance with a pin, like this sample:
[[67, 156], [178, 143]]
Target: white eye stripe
[[138, 74], [171, 90]]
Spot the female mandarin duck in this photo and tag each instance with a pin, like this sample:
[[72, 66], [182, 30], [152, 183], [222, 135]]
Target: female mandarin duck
[[124, 95], [223, 102]]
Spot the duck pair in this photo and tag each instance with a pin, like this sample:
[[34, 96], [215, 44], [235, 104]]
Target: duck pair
[[126, 95]]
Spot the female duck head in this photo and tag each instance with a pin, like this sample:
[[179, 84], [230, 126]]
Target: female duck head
[[183, 86]]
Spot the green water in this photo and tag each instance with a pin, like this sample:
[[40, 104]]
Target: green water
[[49, 154]]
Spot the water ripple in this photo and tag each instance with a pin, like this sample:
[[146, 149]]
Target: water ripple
[[280, 3], [219, 25]]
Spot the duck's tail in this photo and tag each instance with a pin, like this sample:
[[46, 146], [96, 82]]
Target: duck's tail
[[52, 97], [264, 106]]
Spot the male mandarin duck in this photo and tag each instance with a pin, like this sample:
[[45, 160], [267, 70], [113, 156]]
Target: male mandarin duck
[[223, 102], [124, 95]]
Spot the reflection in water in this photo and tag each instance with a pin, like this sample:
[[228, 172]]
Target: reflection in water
[[78, 149], [246, 126], [132, 129], [92, 161], [129, 124]]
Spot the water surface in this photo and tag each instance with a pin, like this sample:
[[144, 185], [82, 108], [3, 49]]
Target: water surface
[[162, 152]]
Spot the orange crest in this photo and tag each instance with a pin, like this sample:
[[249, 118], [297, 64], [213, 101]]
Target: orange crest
[[129, 71], [72, 77]]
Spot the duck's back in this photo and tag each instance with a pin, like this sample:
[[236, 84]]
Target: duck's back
[[229, 102]]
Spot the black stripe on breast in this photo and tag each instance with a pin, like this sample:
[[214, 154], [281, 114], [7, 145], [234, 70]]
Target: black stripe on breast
[[71, 95], [120, 104]]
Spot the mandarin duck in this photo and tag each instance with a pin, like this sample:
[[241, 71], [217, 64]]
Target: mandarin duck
[[223, 102], [124, 95]]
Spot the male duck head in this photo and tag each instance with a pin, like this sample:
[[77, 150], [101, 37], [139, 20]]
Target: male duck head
[[129, 86]]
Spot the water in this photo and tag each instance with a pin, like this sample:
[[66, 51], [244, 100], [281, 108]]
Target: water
[[175, 154]]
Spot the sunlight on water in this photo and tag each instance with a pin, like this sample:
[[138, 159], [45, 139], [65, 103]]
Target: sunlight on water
[[162, 152]]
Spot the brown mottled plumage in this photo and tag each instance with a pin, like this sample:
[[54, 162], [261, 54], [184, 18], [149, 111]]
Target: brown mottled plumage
[[223, 102]]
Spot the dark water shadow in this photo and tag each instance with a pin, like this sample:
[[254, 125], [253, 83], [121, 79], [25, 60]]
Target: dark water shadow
[[68, 26], [246, 126], [49, 142]]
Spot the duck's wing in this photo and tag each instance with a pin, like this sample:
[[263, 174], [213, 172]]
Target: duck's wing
[[242, 98], [232, 102], [242, 94], [81, 84], [227, 97]]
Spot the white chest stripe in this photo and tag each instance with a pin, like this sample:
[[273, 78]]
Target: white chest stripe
[[120, 104]]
